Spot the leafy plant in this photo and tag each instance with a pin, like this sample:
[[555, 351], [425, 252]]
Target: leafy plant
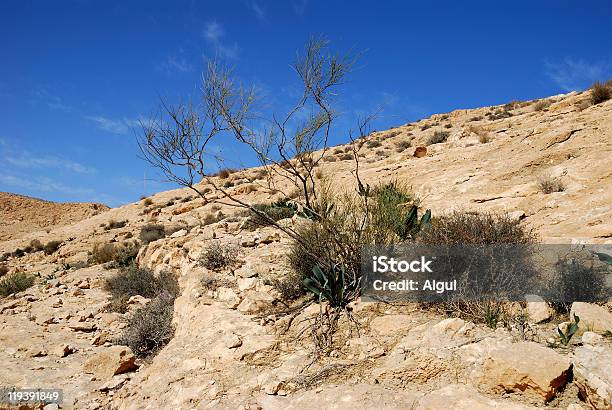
[[328, 285], [571, 330]]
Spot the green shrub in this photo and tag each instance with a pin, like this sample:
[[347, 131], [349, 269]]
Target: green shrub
[[276, 211], [132, 281], [600, 93], [51, 247], [438, 137], [151, 232], [217, 256], [15, 282], [571, 271], [18, 253]]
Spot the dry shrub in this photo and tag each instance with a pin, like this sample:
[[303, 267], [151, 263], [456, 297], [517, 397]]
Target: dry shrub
[[276, 211], [36, 245], [438, 137], [51, 247], [151, 232], [373, 144], [548, 184], [345, 157], [505, 269], [15, 282], [147, 202], [102, 253], [541, 105], [225, 173], [4, 269], [474, 228], [217, 256], [290, 286], [601, 92], [483, 139], [112, 224], [401, 146], [330, 158]]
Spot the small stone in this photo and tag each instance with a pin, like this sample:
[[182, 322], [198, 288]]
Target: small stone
[[232, 341], [111, 361], [63, 350]]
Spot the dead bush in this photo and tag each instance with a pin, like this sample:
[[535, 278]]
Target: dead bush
[[151, 232], [36, 245], [225, 173], [541, 105], [548, 184], [112, 224], [147, 202], [15, 282], [150, 328], [345, 157], [4, 269], [373, 144], [438, 137], [401, 146], [217, 256], [290, 287], [600, 92], [51, 247]]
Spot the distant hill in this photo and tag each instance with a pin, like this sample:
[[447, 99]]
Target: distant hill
[[21, 214]]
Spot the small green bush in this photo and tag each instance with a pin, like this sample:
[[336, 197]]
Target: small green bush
[[600, 93], [438, 137], [151, 232], [275, 211], [15, 282], [51, 247]]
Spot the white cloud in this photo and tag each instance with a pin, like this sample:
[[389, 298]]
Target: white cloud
[[52, 101], [259, 12], [118, 126], [43, 185], [26, 160], [213, 33], [175, 64], [573, 74]]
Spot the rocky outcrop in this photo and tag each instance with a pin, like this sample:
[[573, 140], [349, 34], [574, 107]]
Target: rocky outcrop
[[592, 317], [593, 375], [111, 361], [528, 368]]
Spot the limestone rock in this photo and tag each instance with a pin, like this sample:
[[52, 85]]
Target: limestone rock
[[462, 397], [389, 325], [592, 317], [537, 309], [110, 362], [526, 367], [593, 375]]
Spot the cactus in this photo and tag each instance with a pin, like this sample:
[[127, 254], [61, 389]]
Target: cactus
[[327, 285], [571, 330]]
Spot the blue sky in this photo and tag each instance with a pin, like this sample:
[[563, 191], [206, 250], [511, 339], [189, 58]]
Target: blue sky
[[77, 76]]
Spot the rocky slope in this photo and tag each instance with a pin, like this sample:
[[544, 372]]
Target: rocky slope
[[233, 349], [21, 214]]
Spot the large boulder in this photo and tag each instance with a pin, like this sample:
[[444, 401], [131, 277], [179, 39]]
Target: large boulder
[[110, 362], [593, 375], [537, 309], [592, 317], [526, 367]]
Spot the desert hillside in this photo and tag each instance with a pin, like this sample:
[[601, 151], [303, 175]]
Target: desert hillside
[[238, 344], [21, 214]]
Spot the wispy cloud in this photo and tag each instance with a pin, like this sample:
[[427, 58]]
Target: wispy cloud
[[571, 74], [27, 160], [299, 6], [52, 101], [213, 33], [257, 9], [43, 185], [174, 64], [117, 126]]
